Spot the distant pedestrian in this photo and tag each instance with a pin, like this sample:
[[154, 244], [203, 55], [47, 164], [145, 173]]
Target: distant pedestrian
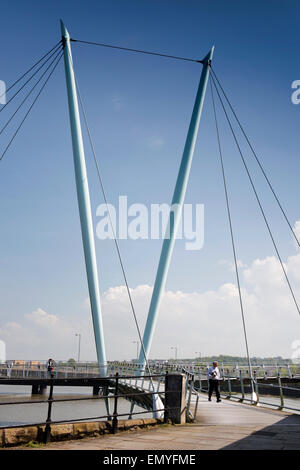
[[50, 367], [213, 376]]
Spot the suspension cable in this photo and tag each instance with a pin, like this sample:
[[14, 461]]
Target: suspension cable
[[31, 106], [111, 223], [256, 196], [29, 93], [256, 158], [137, 50], [231, 233], [29, 70], [30, 78]]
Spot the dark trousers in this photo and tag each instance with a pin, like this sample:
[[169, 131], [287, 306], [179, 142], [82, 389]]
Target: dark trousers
[[214, 386]]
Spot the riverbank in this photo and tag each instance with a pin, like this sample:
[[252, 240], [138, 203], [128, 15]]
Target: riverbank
[[10, 437]]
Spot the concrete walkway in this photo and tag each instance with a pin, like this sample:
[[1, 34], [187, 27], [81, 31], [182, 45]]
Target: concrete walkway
[[225, 425]]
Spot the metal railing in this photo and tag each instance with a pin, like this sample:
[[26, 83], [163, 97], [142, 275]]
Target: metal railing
[[22, 368], [113, 392], [190, 391], [238, 387]]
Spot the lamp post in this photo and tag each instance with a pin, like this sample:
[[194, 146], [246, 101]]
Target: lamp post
[[175, 347], [79, 339]]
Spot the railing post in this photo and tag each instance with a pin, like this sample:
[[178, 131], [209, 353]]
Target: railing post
[[256, 387], [242, 386], [115, 414], [196, 406], [229, 385], [281, 392], [190, 388], [48, 421]]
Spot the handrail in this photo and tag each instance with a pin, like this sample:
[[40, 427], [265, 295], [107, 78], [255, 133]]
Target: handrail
[[114, 416], [258, 384]]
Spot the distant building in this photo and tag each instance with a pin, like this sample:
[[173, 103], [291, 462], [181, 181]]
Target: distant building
[[2, 352]]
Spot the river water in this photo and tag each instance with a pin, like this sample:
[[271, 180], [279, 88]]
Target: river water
[[11, 415]]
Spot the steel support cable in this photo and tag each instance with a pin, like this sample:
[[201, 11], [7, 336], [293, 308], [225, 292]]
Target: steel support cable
[[231, 234], [29, 93], [31, 106], [256, 158], [113, 230], [30, 78], [137, 50], [111, 223], [29, 70], [257, 197]]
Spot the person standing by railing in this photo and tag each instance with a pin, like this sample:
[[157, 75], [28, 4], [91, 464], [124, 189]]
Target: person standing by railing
[[50, 367], [213, 377]]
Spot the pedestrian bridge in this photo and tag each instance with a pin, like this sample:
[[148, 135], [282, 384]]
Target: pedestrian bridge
[[218, 426]]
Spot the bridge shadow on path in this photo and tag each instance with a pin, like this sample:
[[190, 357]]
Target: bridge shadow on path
[[283, 435], [234, 426]]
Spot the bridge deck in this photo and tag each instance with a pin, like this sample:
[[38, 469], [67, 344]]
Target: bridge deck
[[225, 425]]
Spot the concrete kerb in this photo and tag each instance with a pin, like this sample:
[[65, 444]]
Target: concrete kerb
[[10, 437]]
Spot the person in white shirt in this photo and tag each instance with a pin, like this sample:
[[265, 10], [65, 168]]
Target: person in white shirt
[[213, 376]]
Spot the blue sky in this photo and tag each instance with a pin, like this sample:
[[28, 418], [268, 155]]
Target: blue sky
[[139, 109]]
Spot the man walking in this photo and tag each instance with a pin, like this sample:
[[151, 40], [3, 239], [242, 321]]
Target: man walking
[[213, 376]]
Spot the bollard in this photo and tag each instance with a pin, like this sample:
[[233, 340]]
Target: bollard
[[175, 400]]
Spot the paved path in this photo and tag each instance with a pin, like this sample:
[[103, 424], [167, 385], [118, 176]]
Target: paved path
[[226, 425]]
